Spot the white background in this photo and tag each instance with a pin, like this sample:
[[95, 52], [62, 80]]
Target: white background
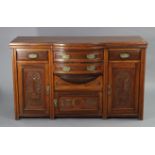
[[77, 141]]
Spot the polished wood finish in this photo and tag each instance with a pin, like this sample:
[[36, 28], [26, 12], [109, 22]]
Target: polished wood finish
[[15, 84], [79, 76], [142, 82], [51, 84]]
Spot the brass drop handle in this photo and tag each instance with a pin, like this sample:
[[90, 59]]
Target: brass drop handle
[[32, 55], [66, 68], [91, 56], [47, 90], [55, 103], [124, 55], [65, 56], [91, 68]]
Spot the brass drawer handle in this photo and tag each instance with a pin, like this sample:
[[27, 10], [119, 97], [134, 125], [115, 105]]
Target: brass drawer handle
[[91, 56], [91, 68], [33, 56], [124, 55], [65, 56], [66, 69]]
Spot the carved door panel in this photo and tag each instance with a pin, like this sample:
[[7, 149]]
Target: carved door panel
[[33, 89], [123, 88], [78, 103]]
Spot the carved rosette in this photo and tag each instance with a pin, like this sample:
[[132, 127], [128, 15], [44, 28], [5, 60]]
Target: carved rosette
[[33, 88]]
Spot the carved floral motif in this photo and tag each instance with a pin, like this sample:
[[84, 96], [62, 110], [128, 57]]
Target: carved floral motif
[[123, 88], [33, 87], [74, 103]]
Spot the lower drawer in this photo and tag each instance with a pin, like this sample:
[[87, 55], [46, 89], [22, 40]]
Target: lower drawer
[[78, 103], [90, 82]]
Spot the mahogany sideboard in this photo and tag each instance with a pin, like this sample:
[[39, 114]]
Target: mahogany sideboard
[[79, 76]]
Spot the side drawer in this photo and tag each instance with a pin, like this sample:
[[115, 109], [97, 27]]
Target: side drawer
[[30, 55], [78, 103], [124, 54]]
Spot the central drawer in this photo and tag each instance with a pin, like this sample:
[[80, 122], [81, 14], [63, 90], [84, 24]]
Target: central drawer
[[78, 68], [81, 56], [78, 82], [78, 55]]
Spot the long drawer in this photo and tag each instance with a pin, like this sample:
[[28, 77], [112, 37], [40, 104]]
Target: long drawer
[[78, 68], [78, 56]]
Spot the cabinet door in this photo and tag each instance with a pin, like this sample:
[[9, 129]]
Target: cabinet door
[[123, 89], [78, 103], [33, 89]]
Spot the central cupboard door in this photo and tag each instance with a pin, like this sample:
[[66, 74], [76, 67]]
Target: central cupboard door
[[33, 89], [78, 103], [123, 88]]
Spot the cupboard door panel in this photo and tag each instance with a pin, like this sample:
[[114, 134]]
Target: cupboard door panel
[[78, 103], [123, 88], [32, 83]]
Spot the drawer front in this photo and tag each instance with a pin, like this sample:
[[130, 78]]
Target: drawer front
[[81, 82], [32, 55], [124, 54], [75, 68], [78, 103], [78, 56]]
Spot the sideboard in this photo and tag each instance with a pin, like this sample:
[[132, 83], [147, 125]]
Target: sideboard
[[79, 76]]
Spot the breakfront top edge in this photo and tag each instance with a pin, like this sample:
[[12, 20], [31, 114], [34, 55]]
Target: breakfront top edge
[[85, 40]]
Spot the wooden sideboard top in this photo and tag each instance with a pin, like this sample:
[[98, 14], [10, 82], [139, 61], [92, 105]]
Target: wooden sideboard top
[[67, 40]]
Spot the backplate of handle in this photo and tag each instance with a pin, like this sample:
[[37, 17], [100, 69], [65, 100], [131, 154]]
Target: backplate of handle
[[91, 56], [65, 56], [66, 68], [124, 55], [91, 68], [32, 55]]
